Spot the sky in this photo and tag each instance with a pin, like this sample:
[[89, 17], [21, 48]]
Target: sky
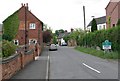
[[58, 14]]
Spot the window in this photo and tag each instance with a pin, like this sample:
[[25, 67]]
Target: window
[[32, 26], [32, 41], [16, 42], [100, 27], [104, 27], [113, 25]]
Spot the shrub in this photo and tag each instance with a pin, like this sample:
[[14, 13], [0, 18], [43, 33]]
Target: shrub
[[8, 48], [96, 38]]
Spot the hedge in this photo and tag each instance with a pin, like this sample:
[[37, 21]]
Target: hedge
[[96, 38]]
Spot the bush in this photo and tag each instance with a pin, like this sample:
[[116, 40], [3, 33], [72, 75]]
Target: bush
[[8, 48]]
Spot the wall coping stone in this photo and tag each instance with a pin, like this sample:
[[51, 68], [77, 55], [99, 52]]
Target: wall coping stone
[[10, 58]]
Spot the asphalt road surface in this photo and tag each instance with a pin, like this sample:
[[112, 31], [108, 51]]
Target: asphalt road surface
[[68, 63]]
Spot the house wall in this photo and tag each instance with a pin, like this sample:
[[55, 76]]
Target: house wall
[[32, 33], [98, 27], [112, 10]]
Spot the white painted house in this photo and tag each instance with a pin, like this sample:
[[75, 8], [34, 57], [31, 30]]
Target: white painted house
[[101, 23]]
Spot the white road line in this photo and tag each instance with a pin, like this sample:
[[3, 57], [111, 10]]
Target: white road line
[[47, 71], [91, 68]]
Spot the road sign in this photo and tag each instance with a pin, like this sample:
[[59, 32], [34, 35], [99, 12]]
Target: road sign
[[106, 44]]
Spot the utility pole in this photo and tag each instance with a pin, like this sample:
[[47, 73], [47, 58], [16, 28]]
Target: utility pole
[[26, 32], [84, 18]]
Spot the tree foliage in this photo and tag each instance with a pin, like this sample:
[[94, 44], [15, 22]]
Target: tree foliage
[[118, 23], [57, 32], [10, 27], [93, 25], [8, 48], [54, 39], [47, 35]]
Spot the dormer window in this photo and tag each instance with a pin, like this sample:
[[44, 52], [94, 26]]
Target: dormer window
[[32, 26]]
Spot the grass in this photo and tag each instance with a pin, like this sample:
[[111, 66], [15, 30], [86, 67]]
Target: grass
[[98, 53]]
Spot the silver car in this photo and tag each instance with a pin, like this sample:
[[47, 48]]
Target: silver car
[[52, 47]]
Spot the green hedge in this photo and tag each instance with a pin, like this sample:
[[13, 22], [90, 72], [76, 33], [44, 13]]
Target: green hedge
[[8, 48], [96, 38]]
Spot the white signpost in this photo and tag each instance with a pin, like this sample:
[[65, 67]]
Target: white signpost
[[106, 45]]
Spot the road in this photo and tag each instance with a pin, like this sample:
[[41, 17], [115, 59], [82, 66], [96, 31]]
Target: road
[[67, 63]]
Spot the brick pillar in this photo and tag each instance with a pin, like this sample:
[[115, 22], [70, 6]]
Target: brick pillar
[[22, 59]]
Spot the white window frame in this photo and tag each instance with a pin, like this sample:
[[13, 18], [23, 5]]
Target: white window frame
[[15, 40], [31, 41], [32, 26]]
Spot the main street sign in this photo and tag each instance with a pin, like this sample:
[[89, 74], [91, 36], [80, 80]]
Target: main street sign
[[106, 44]]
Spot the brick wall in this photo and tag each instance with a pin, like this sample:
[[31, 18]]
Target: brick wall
[[14, 63], [32, 33]]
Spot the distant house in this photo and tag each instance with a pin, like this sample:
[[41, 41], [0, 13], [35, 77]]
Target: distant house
[[61, 36], [0, 29], [101, 23], [112, 13], [30, 27]]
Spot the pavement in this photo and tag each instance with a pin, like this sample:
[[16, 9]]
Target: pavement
[[36, 69], [68, 63]]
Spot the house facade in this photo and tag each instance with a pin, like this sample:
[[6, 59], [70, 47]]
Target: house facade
[[101, 23], [112, 13], [30, 27]]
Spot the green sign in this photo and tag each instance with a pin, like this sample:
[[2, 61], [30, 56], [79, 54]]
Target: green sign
[[106, 44]]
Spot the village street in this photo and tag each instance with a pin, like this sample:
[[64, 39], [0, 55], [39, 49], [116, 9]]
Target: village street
[[67, 63]]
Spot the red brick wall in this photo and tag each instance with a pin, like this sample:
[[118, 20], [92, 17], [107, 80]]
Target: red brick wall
[[113, 11], [12, 66], [32, 33]]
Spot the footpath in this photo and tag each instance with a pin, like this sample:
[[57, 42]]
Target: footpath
[[37, 69]]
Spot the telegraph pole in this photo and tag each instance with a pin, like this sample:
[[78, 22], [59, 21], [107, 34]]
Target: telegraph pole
[[84, 18], [26, 34]]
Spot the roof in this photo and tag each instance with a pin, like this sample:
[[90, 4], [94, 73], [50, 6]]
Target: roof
[[61, 35], [100, 20], [0, 27], [112, 1], [28, 11]]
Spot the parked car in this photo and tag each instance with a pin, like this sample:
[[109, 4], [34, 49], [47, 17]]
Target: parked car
[[64, 44], [52, 47]]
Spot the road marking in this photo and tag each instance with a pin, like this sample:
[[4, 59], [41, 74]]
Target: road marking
[[47, 71], [91, 68]]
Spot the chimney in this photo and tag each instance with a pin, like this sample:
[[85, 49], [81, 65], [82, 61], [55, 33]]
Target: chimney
[[72, 29], [27, 6], [65, 31], [21, 4], [24, 5]]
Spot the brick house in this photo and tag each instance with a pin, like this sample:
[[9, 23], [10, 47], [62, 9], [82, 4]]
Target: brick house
[[30, 27], [112, 13]]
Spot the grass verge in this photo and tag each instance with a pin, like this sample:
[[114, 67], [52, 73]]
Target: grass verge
[[98, 53]]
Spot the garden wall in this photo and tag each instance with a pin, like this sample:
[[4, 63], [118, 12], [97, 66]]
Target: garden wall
[[14, 63]]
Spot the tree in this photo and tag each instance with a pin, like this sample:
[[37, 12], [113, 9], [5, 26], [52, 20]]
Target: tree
[[118, 23], [61, 31], [47, 35], [54, 39], [93, 25], [57, 32]]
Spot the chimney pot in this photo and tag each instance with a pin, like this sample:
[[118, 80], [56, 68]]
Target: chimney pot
[[21, 4], [27, 6]]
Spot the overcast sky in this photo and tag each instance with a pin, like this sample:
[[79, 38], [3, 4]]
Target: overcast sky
[[57, 14]]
